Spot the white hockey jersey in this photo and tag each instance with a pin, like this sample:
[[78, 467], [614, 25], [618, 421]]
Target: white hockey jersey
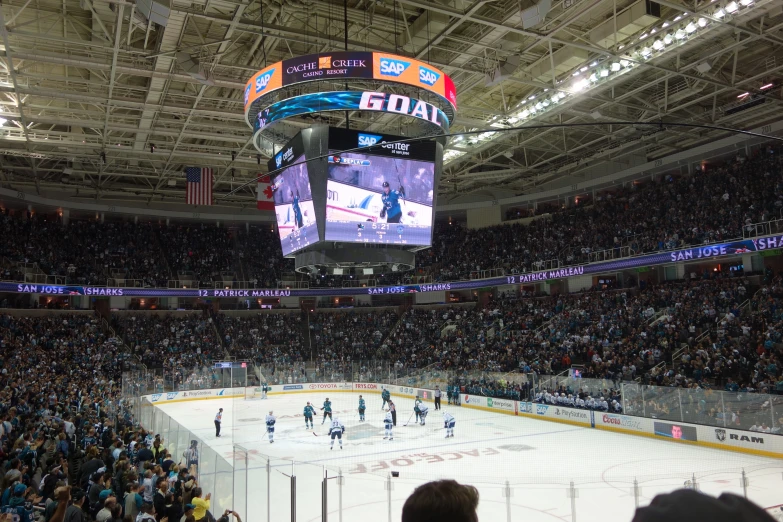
[[270, 421], [337, 426], [388, 419], [448, 417]]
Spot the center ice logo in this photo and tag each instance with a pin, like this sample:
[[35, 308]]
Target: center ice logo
[[390, 67]]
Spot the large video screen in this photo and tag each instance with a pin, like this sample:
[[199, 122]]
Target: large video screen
[[296, 222], [378, 199]]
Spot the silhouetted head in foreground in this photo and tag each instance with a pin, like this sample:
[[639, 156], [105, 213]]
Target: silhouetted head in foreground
[[692, 506], [442, 501]]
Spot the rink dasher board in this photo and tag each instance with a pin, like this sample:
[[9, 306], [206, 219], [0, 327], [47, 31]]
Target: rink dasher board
[[716, 437]]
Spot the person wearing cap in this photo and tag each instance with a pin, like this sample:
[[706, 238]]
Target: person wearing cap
[[18, 507], [189, 509], [75, 512]]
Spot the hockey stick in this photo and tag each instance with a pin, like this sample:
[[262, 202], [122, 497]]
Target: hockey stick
[[409, 419]]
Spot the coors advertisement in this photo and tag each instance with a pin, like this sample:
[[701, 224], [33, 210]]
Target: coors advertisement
[[327, 66]]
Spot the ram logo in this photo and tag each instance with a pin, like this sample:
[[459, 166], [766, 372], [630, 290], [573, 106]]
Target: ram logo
[[391, 67], [263, 80], [427, 76], [365, 140]]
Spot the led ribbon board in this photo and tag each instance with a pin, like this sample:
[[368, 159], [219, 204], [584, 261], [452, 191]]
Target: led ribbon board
[[347, 65], [353, 101]]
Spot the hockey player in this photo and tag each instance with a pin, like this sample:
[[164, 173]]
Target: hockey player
[[337, 429], [416, 404], [423, 409], [387, 426], [361, 409], [448, 423], [386, 396], [264, 389], [270, 426], [327, 409], [309, 411]]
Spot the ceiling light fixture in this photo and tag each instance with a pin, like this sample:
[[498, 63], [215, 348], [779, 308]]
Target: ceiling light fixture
[[702, 22], [763, 87], [731, 7]]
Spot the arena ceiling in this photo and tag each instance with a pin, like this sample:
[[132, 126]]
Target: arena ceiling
[[101, 103]]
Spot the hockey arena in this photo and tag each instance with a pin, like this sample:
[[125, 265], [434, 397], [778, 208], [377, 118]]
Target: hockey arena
[[516, 260]]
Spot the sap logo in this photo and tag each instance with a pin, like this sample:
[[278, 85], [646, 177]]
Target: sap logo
[[170, 395], [365, 140], [279, 159], [427, 76], [263, 80], [247, 94], [745, 438], [541, 409], [391, 67], [156, 397]]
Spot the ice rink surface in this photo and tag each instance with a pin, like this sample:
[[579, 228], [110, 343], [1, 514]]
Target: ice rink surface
[[539, 459]]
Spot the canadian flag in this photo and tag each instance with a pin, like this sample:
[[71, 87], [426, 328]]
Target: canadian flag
[[265, 199]]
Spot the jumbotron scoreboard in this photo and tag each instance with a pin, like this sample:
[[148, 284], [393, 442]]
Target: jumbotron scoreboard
[[347, 199]]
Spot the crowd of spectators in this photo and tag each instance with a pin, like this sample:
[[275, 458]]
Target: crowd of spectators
[[181, 346], [713, 204], [85, 252], [204, 250], [69, 446]]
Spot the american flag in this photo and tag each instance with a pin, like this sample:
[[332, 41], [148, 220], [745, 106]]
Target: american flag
[[199, 186]]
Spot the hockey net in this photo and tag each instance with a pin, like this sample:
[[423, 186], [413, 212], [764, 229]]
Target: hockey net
[[253, 392], [776, 512]]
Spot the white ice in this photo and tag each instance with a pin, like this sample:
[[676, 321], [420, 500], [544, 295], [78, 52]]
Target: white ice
[[539, 459]]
